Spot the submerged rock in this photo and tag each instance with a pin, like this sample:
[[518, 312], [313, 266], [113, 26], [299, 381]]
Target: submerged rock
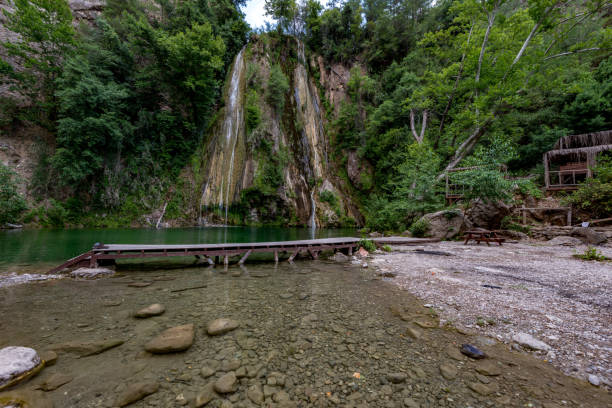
[[55, 381], [172, 340], [86, 348], [136, 392], [339, 257], [472, 352], [25, 399], [221, 326], [91, 273], [153, 310], [17, 364], [205, 396], [527, 340], [227, 383], [448, 371]]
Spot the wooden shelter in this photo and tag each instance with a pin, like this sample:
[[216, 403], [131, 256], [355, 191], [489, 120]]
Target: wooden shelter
[[573, 158]]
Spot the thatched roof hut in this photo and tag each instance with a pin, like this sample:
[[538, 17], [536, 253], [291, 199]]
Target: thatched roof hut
[[579, 154]]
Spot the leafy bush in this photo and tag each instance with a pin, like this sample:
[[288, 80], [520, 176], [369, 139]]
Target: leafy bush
[[591, 254], [508, 223], [367, 244], [253, 113], [595, 195], [278, 86], [12, 204], [419, 228], [327, 196]]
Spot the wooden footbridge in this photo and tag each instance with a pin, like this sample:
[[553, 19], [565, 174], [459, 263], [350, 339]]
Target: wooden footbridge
[[102, 253]]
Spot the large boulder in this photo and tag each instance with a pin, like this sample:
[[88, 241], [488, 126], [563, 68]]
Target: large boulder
[[589, 236], [445, 224], [487, 214], [16, 364]]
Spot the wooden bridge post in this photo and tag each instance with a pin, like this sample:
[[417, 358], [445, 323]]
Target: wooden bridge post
[[293, 255], [226, 260], [244, 258], [275, 256], [350, 251]]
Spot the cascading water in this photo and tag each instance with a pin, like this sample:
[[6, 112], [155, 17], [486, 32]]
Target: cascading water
[[313, 209], [221, 185]]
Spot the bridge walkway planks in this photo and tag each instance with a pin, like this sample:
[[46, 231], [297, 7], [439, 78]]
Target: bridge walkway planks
[[313, 247]]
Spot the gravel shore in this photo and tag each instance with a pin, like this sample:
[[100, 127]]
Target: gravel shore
[[526, 287]]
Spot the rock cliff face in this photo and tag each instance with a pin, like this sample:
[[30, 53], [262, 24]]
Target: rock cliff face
[[280, 171]]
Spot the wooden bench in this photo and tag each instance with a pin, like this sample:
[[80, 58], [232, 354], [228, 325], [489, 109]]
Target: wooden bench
[[483, 235]]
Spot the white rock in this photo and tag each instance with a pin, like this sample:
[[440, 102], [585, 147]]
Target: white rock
[[90, 273], [527, 340], [15, 361], [593, 379]]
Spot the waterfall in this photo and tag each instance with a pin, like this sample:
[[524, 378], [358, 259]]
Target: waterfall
[[219, 188], [313, 213]]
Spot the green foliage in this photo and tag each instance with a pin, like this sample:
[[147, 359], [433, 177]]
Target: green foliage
[[508, 223], [278, 86], [419, 228], [12, 204], [591, 254], [386, 248], [253, 112], [46, 38], [329, 197], [367, 244], [595, 195]]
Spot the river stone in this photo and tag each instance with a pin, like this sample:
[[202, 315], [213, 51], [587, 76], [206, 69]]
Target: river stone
[[480, 388], [414, 332], [206, 372], [25, 399], [339, 257], [226, 384], [86, 348], [589, 236], [17, 363], [527, 340], [221, 326], [472, 351], [594, 380], [153, 310], [410, 403], [49, 357], [488, 367], [174, 339], [397, 378], [255, 394], [448, 371], [91, 273], [136, 392], [205, 396], [55, 381]]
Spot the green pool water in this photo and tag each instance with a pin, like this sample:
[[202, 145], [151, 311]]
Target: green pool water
[[53, 246]]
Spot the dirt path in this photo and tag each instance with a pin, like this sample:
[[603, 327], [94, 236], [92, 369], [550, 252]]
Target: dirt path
[[533, 288]]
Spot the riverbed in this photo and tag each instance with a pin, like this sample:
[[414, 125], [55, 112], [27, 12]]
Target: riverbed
[[315, 333], [310, 334]]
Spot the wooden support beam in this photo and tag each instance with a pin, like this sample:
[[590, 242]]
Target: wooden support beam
[[293, 255], [314, 253], [244, 258], [226, 260], [350, 251], [276, 256]]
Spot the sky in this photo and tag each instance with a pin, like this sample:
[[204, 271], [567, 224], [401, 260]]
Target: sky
[[255, 13]]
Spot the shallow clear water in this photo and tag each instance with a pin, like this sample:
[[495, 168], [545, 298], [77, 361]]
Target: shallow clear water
[[333, 332], [30, 247]]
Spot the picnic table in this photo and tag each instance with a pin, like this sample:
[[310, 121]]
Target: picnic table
[[483, 235]]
